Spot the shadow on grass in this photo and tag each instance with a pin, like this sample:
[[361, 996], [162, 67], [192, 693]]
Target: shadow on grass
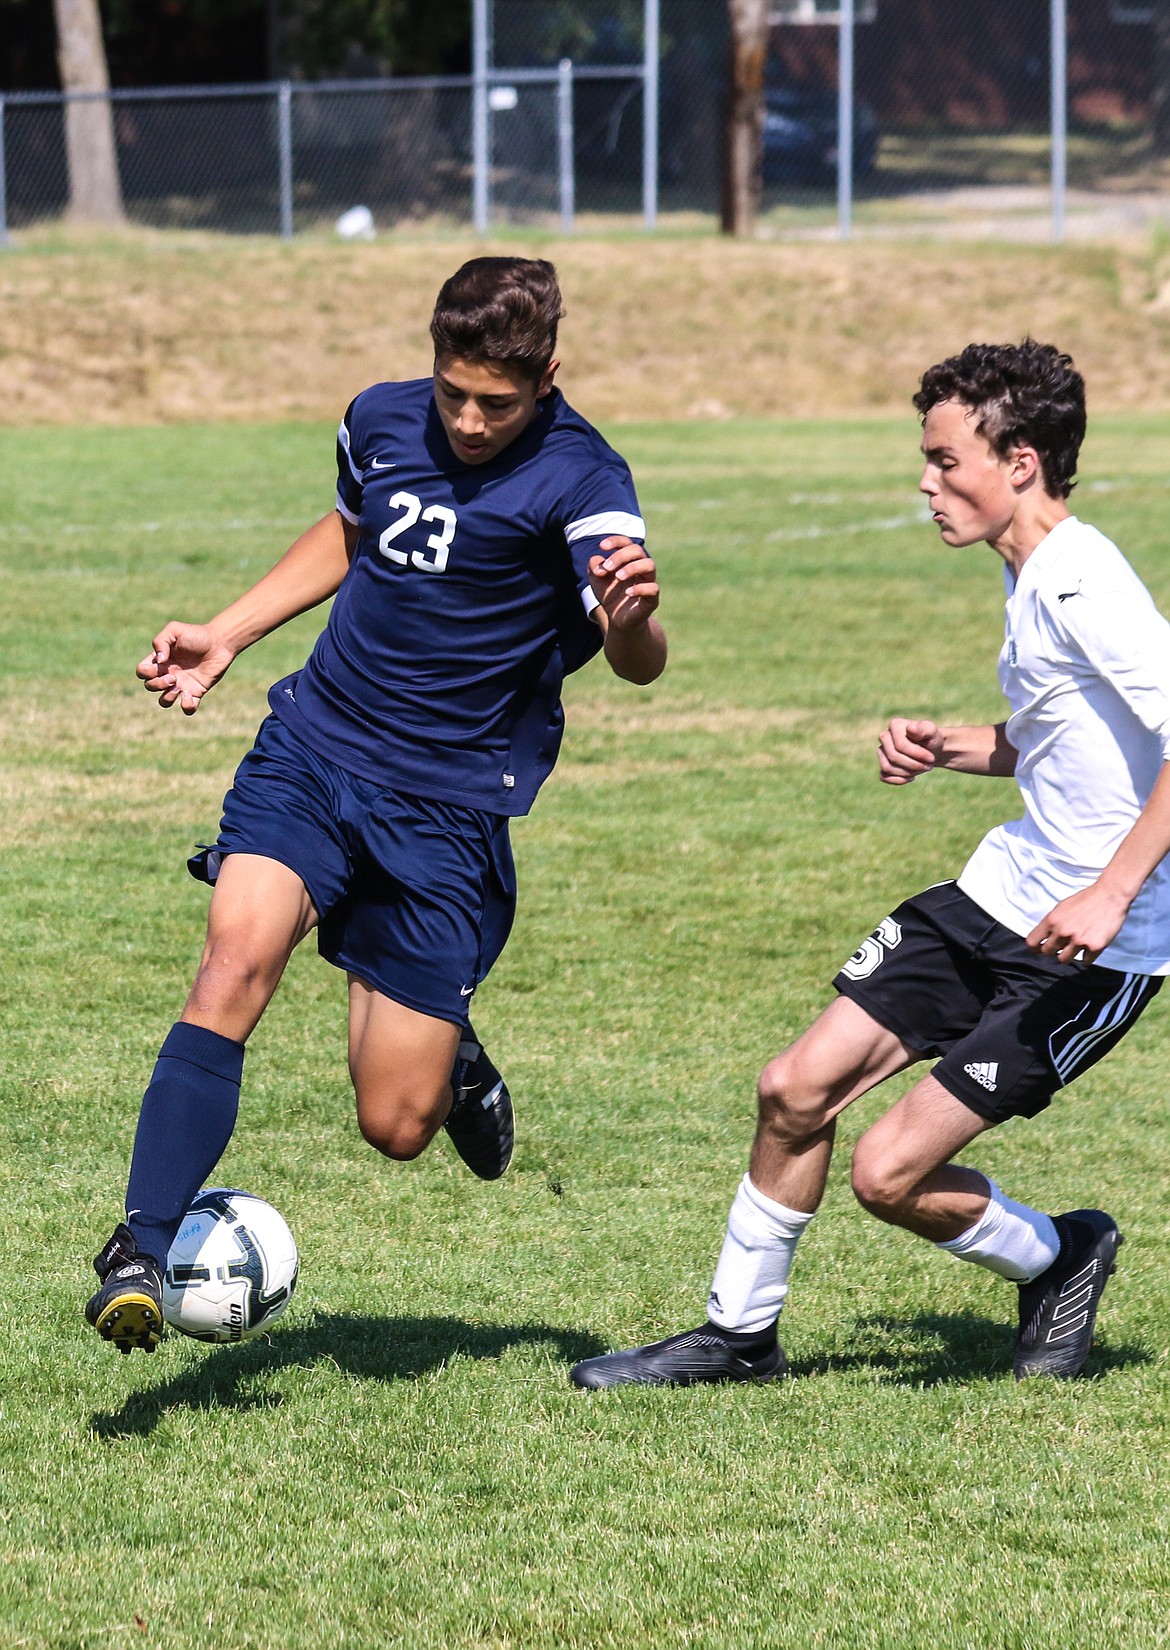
[[936, 1349], [376, 1349]]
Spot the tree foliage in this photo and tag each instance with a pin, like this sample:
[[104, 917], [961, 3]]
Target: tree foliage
[[196, 42], [402, 37]]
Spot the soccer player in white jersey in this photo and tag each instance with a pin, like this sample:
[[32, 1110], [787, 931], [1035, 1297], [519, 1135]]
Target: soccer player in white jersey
[[1023, 972]]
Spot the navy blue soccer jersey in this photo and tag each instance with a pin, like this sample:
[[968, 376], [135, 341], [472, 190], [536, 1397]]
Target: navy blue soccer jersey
[[466, 603]]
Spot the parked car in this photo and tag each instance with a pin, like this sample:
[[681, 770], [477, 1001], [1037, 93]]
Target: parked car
[[800, 136]]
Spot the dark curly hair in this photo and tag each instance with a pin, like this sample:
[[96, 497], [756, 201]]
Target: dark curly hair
[[499, 309], [1026, 395]]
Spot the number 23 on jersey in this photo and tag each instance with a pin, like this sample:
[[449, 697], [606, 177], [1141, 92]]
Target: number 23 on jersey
[[411, 508]]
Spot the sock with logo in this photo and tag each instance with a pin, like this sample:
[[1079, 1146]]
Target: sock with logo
[[751, 1279], [1009, 1238], [187, 1117]]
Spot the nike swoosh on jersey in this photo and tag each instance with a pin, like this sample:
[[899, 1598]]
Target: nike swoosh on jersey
[[374, 465]]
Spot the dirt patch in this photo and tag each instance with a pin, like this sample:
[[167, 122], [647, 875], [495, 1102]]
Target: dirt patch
[[163, 328]]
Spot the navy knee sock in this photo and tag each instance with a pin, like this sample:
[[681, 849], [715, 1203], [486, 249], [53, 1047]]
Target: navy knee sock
[[188, 1114]]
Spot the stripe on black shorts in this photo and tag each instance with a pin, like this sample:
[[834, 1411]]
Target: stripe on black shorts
[[1010, 1026]]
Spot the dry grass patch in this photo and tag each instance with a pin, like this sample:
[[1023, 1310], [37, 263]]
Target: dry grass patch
[[33, 726], [701, 736], [42, 725], [662, 715], [159, 328], [102, 773], [61, 806]]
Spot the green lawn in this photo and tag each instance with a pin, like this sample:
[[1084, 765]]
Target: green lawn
[[403, 1460]]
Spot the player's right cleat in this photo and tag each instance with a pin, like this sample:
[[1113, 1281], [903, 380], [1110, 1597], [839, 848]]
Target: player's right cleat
[[1058, 1309], [127, 1308], [481, 1123], [682, 1360]]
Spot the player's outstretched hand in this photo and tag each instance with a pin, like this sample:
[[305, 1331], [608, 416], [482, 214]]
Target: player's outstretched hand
[[1081, 926], [185, 661], [623, 580], [908, 748]]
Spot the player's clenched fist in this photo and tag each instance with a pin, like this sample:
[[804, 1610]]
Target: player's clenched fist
[[185, 661], [908, 748]]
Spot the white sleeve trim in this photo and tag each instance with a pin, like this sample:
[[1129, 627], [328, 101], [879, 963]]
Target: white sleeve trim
[[606, 521], [589, 601], [343, 438], [344, 510]]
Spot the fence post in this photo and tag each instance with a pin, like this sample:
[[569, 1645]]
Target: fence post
[[651, 48], [1059, 90], [845, 121], [286, 166], [565, 142], [480, 158], [3, 182]]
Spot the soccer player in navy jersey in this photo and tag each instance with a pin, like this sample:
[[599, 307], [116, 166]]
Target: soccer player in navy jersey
[[486, 541]]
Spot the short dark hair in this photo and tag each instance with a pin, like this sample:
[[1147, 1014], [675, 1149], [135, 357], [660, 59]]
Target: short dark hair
[[1025, 394], [500, 309]]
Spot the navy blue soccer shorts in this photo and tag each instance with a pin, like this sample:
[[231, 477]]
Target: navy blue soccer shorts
[[414, 897], [1011, 1025]]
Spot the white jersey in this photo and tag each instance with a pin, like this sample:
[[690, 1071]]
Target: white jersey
[[1085, 668]]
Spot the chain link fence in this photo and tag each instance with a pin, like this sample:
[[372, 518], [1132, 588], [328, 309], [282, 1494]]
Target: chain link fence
[[998, 119], [290, 157], [260, 159], [606, 42], [949, 111]]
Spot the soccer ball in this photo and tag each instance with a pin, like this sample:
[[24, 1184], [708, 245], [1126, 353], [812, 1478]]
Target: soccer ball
[[231, 1270]]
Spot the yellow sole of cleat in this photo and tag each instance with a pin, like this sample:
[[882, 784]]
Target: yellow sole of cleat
[[131, 1321]]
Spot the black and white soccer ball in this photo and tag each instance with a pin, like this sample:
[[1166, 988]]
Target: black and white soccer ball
[[231, 1270]]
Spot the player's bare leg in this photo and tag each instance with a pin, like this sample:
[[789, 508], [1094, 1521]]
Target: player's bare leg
[[842, 1055], [259, 914], [902, 1174], [400, 1062], [414, 1074], [902, 1171], [260, 911]]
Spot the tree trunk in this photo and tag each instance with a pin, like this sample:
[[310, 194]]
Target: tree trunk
[[95, 194], [1160, 101], [743, 142]]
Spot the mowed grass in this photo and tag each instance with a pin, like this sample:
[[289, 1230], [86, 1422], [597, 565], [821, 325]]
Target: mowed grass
[[403, 1461]]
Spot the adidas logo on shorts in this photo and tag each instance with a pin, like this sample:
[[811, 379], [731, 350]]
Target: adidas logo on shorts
[[984, 1072]]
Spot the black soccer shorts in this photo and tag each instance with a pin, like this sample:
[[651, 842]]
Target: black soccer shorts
[[1011, 1026]]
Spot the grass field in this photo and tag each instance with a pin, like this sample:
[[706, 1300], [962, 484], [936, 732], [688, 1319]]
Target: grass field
[[403, 1460]]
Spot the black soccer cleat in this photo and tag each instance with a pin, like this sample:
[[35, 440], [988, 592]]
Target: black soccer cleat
[[127, 1309], [681, 1360], [1058, 1309], [481, 1123]]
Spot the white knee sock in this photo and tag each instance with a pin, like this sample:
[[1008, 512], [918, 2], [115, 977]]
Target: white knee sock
[[1009, 1238], [751, 1279]]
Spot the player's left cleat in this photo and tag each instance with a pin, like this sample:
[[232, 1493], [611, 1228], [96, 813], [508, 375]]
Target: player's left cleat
[[127, 1308], [480, 1123], [1058, 1309]]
